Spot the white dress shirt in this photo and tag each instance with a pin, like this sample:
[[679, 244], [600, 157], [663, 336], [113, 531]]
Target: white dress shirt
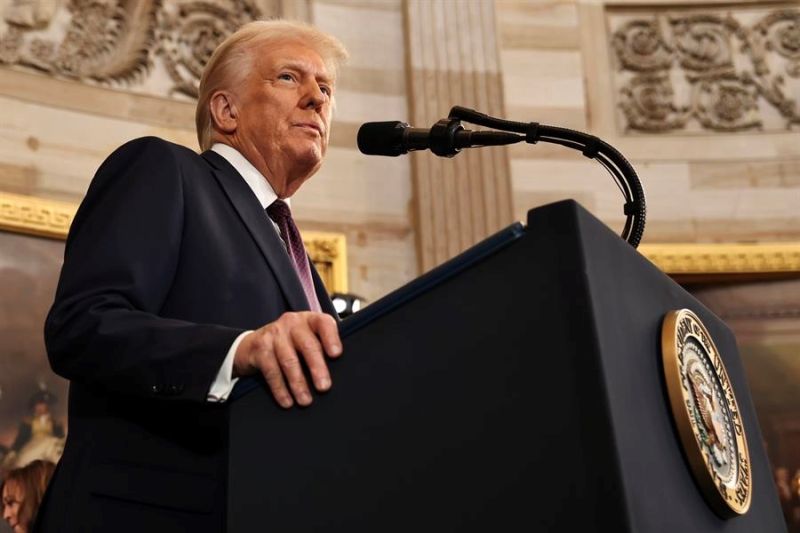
[[224, 382]]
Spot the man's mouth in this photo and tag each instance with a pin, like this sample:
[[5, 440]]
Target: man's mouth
[[310, 126]]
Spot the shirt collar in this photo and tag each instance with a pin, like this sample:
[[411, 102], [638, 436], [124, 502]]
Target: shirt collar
[[254, 179]]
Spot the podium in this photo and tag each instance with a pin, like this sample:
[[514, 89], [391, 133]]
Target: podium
[[518, 387]]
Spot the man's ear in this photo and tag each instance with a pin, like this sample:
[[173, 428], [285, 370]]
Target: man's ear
[[224, 112]]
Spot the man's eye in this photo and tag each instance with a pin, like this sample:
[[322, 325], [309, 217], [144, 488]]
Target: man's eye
[[325, 90], [286, 76]]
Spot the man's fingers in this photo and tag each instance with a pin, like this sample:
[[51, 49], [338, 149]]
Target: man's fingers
[[292, 369], [282, 348], [328, 332], [307, 344], [273, 375]]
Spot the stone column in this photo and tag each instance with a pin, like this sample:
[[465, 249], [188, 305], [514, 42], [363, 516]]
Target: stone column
[[453, 59]]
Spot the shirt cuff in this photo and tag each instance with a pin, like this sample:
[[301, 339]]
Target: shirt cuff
[[224, 382]]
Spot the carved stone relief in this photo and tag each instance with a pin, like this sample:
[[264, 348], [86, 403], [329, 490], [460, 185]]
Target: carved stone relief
[[188, 33], [720, 70], [157, 47]]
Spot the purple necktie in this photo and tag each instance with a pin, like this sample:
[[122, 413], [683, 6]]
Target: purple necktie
[[279, 212]]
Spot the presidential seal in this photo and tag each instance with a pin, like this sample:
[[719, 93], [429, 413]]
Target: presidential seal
[[706, 414]]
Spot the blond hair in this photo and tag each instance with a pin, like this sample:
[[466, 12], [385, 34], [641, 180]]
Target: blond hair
[[230, 63]]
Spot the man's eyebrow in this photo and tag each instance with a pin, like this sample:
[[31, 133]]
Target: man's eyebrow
[[303, 67]]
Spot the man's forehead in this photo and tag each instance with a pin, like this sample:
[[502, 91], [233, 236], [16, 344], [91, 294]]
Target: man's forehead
[[293, 54]]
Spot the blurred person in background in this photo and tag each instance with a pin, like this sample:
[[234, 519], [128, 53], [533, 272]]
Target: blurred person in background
[[793, 520], [22, 493], [39, 436], [783, 486]]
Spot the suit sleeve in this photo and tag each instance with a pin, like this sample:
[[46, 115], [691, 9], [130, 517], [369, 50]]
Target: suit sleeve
[[104, 328]]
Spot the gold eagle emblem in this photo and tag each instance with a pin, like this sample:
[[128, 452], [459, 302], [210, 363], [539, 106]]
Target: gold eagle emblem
[[706, 413]]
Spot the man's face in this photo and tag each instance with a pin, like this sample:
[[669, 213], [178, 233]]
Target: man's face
[[284, 113]]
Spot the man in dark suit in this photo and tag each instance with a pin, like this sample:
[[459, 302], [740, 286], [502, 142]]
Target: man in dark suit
[[176, 282]]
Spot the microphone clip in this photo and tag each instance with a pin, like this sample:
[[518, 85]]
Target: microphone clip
[[443, 137]]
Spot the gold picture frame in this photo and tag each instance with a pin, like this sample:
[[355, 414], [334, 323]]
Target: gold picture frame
[[51, 219], [35, 216], [690, 264]]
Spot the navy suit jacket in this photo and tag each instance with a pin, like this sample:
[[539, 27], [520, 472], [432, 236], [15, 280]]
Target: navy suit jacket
[[170, 257]]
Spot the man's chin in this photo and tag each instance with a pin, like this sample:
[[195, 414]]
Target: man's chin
[[309, 156], [305, 165]]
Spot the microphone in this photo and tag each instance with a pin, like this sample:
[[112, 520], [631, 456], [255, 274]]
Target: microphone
[[446, 138]]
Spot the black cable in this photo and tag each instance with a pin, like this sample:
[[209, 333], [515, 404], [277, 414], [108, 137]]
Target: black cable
[[635, 207]]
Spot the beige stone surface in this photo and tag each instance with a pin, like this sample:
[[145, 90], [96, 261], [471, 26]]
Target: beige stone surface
[[453, 59], [701, 186], [61, 148], [784, 173]]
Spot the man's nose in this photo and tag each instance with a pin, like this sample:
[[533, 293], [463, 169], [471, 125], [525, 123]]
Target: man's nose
[[313, 97]]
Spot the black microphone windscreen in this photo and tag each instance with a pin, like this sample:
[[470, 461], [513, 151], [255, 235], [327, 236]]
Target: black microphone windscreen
[[382, 138]]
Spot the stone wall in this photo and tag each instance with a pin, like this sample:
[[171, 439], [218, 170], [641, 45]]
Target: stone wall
[[703, 100]]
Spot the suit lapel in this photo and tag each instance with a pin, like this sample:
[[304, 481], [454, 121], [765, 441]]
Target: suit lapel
[[260, 228]]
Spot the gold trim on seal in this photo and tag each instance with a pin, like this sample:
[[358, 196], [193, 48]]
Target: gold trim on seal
[[706, 414]]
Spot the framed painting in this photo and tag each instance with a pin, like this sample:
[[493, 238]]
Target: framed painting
[[33, 399]]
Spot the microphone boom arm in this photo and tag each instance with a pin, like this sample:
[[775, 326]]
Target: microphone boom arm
[[627, 180]]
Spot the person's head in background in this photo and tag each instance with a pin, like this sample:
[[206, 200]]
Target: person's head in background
[[22, 492], [40, 402]]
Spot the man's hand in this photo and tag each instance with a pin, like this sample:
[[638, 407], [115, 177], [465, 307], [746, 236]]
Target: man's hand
[[276, 350]]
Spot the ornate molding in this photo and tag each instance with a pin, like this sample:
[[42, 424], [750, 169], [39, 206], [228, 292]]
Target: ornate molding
[[188, 33], [50, 218], [153, 46], [720, 70], [33, 216], [721, 260]]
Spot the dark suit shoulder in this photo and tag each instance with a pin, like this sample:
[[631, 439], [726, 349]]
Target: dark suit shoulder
[[153, 142], [151, 163], [144, 175], [152, 149]]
